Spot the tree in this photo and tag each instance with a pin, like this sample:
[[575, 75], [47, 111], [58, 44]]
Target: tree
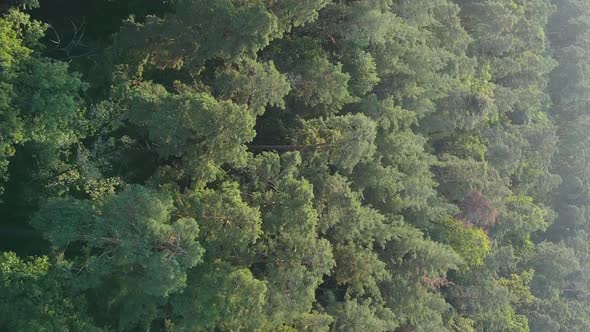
[[255, 84], [343, 141], [290, 256], [220, 296], [136, 253], [222, 29], [193, 126], [470, 242], [40, 100], [35, 297], [228, 225], [319, 87], [354, 316]]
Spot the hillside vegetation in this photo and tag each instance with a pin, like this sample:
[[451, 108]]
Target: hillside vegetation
[[295, 165]]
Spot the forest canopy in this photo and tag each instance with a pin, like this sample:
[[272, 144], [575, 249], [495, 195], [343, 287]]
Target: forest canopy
[[282, 165]]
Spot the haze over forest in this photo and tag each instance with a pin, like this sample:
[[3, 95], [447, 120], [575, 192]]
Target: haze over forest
[[295, 165]]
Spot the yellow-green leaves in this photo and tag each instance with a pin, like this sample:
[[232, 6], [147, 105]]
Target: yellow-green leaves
[[470, 242]]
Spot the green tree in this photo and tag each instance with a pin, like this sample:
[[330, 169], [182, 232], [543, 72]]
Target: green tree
[[40, 101], [35, 297], [134, 253], [220, 296]]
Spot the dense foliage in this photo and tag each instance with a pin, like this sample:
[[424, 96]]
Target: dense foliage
[[309, 165]]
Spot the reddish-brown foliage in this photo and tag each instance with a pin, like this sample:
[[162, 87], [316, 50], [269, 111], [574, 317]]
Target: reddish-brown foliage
[[478, 210], [434, 283]]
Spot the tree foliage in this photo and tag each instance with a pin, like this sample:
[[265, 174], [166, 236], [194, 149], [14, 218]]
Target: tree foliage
[[278, 165]]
